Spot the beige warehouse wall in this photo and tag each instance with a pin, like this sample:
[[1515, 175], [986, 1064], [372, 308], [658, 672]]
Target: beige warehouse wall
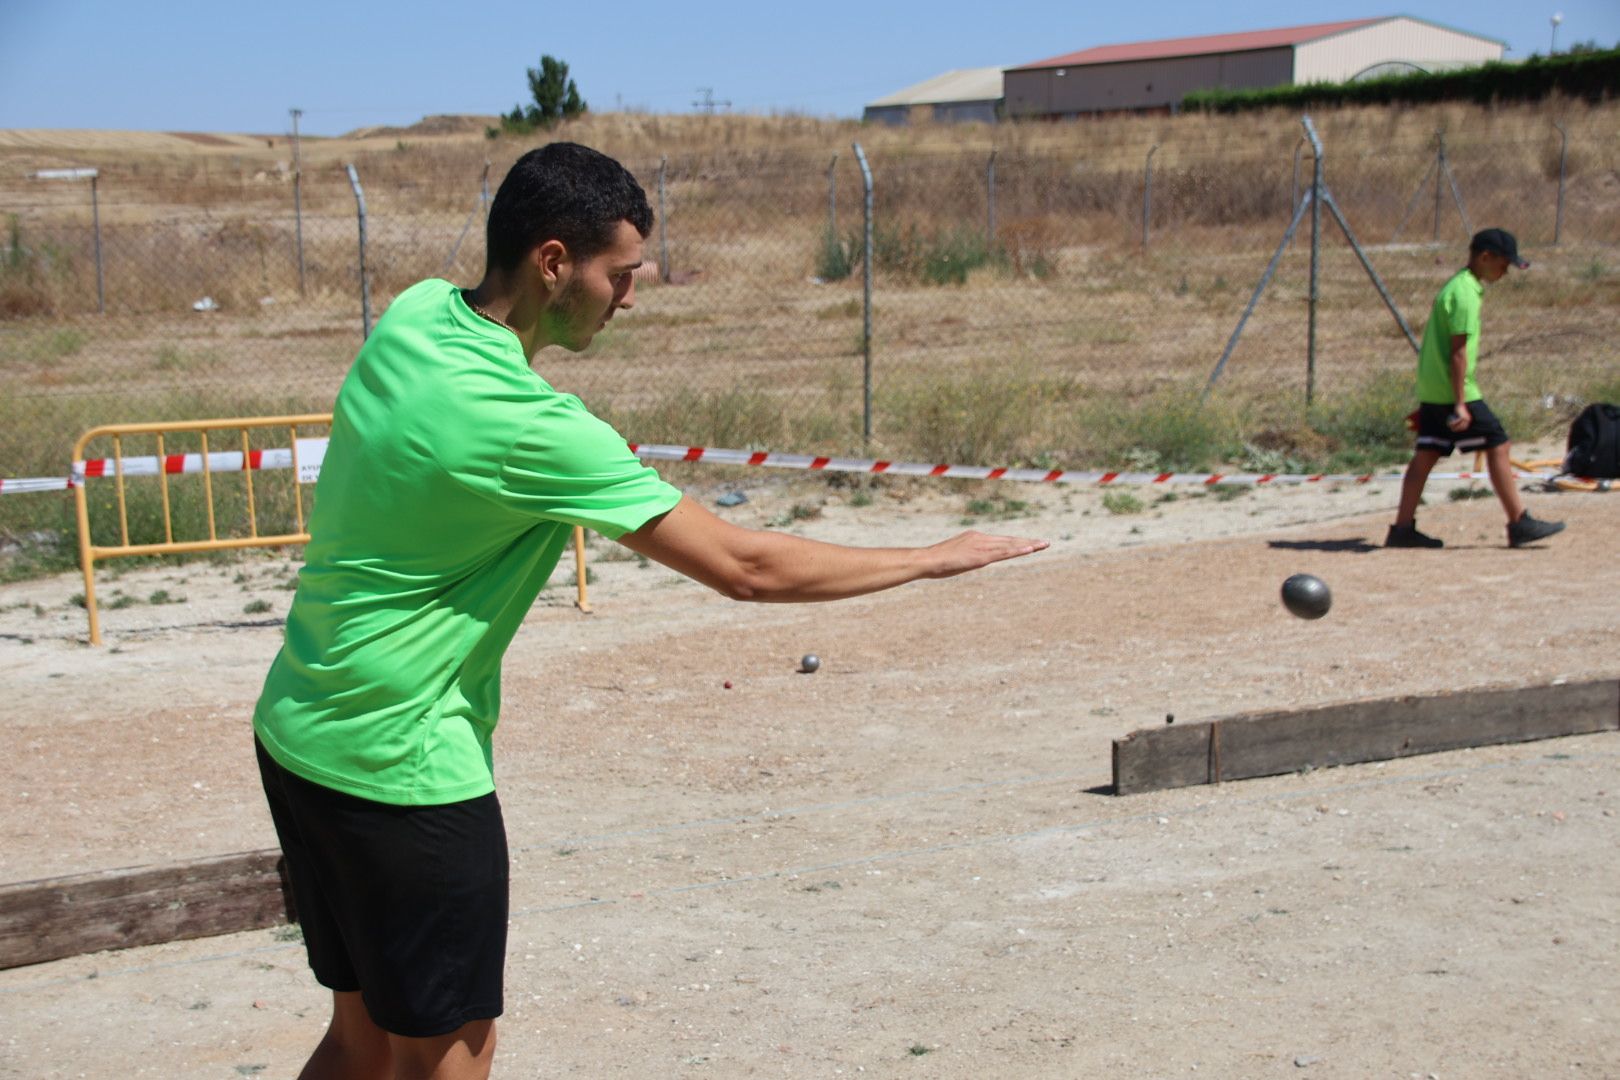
[[1431, 47]]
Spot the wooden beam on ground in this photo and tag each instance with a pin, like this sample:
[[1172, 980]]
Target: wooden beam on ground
[[1272, 743], [118, 909]]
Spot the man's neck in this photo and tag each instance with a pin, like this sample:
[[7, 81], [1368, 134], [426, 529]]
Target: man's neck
[[495, 299]]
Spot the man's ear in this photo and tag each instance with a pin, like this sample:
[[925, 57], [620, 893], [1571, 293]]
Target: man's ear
[[552, 262]]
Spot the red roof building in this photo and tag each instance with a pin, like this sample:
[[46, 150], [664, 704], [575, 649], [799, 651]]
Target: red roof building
[[1155, 75]]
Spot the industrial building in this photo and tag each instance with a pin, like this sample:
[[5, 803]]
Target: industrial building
[[1156, 75], [972, 94]]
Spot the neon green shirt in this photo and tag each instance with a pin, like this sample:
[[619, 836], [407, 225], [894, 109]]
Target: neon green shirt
[[1455, 311], [449, 489]]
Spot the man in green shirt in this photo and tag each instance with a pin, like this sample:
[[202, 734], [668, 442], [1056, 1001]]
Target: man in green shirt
[[450, 487], [1452, 414]]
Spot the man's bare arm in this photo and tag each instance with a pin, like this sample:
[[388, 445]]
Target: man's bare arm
[[751, 564]]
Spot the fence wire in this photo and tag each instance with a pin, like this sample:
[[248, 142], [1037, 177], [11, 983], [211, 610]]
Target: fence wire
[[1020, 300]]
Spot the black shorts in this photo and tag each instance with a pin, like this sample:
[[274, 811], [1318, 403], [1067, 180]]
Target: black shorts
[[1483, 433], [406, 904]]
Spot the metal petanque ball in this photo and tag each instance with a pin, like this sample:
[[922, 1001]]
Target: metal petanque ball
[[809, 663], [1307, 596]]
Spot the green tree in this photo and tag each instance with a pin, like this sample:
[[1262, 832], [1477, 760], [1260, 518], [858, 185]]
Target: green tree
[[556, 98]]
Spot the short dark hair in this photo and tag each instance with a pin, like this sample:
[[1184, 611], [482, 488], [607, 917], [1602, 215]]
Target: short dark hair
[[563, 191]]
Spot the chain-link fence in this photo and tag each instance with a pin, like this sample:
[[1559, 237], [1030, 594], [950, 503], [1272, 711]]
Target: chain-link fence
[[1026, 305]]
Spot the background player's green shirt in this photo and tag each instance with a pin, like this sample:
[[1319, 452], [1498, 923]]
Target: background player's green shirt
[[449, 489], [1455, 311]]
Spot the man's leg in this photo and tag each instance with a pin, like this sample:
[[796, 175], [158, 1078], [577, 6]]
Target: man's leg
[[1498, 459], [464, 1054], [353, 1046], [1417, 475]]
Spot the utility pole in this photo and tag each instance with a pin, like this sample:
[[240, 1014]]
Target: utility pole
[[298, 199], [708, 105]]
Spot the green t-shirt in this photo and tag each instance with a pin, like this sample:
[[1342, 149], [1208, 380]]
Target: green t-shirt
[[1455, 311], [450, 486]]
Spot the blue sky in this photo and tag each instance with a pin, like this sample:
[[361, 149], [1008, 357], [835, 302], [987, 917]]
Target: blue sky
[[188, 66]]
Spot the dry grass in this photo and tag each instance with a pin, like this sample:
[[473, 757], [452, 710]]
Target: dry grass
[[1066, 309]]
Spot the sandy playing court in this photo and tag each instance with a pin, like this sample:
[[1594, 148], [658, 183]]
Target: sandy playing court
[[906, 864]]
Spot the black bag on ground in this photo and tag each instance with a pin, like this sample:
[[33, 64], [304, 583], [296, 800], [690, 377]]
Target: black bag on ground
[[1594, 442]]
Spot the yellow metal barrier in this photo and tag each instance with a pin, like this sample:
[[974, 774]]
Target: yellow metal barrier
[[89, 552]]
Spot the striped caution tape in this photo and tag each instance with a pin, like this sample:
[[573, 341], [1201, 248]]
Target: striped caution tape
[[309, 457], [1040, 476], [311, 451]]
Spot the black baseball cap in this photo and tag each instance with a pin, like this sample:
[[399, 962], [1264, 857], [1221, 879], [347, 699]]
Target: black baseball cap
[[1502, 243]]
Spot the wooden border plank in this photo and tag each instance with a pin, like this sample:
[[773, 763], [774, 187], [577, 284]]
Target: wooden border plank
[[118, 909], [1271, 743]]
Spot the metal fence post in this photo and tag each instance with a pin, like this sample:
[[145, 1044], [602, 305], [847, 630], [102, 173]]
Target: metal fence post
[[663, 225], [1254, 299], [1293, 192], [466, 226], [1440, 170], [990, 202], [1563, 157], [95, 217], [298, 201], [866, 327], [365, 283], [1147, 194], [1456, 192], [1316, 260], [832, 198], [95, 220]]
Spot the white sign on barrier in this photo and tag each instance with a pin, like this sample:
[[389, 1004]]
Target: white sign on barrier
[[311, 452]]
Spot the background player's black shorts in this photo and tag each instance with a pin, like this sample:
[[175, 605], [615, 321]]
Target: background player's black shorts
[[1483, 433], [406, 904]]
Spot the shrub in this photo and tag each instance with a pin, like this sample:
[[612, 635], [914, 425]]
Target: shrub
[[1121, 502], [834, 261]]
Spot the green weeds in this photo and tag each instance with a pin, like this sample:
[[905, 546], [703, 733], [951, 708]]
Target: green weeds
[[1121, 502], [994, 508], [835, 259]]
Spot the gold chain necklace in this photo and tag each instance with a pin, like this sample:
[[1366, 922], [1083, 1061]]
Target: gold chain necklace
[[466, 294]]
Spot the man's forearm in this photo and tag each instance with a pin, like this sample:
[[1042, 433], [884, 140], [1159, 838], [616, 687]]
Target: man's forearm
[[760, 565], [781, 568]]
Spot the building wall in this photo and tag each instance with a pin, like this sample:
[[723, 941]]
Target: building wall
[[964, 112], [1432, 48], [1141, 84], [946, 112], [887, 114]]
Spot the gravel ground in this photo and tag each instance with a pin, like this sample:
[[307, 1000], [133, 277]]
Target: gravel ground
[[907, 863]]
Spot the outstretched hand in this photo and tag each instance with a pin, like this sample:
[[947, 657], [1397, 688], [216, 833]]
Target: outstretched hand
[[972, 550]]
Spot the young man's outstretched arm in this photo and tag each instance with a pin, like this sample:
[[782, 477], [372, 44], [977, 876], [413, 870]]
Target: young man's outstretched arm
[[752, 564]]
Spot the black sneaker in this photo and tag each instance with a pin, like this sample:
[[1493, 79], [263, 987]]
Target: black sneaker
[[1528, 530], [1407, 536]]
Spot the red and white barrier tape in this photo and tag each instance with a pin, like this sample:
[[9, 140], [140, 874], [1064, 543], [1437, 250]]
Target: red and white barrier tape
[[311, 451], [1040, 476], [310, 454]]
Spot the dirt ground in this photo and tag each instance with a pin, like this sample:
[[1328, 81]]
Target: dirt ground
[[908, 863]]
